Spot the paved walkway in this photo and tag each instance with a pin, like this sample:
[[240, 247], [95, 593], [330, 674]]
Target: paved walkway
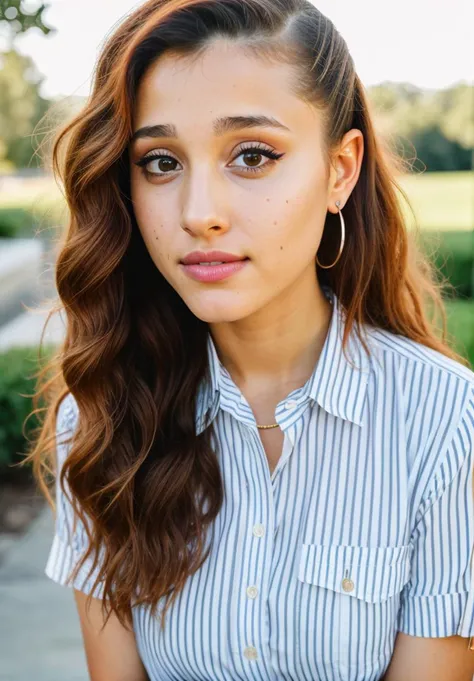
[[40, 636], [26, 330]]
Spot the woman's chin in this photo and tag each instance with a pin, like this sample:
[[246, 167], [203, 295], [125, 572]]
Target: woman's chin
[[218, 311]]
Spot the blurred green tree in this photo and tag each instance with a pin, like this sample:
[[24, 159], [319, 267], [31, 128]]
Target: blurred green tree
[[20, 19], [21, 107], [437, 124], [456, 114]]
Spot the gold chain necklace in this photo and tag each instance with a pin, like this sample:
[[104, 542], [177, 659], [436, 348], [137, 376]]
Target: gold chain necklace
[[275, 425]]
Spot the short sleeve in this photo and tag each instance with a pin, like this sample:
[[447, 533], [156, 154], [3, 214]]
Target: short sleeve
[[438, 600], [68, 546]]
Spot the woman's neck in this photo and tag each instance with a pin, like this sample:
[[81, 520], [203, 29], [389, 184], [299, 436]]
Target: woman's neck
[[277, 347]]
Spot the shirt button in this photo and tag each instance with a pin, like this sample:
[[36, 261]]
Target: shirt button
[[291, 404], [250, 653], [348, 585], [252, 592], [258, 530]]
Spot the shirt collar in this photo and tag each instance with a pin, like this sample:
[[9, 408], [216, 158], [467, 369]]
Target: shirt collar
[[336, 384]]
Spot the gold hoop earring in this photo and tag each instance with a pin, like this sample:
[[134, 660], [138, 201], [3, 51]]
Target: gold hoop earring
[[343, 238]]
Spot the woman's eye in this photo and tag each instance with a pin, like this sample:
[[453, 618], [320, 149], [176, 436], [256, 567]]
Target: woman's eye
[[253, 155], [159, 165]]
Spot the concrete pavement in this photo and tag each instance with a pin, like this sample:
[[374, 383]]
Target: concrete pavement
[[40, 636]]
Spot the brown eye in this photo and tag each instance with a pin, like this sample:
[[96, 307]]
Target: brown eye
[[163, 164], [254, 154], [252, 158]]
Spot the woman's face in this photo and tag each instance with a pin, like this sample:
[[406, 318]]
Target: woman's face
[[202, 189]]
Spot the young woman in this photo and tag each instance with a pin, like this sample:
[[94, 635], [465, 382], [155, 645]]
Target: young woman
[[264, 451]]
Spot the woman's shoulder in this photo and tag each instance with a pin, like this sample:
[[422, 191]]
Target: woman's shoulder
[[432, 402], [433, 394], [412, 356]]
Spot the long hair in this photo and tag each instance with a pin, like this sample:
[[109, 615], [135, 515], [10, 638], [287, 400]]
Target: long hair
[[136, 467]]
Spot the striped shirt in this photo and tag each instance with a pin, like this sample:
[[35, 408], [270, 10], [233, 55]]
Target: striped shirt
[[364, 528]]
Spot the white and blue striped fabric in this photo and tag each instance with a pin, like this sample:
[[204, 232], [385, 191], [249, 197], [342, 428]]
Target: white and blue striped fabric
[[365, 527]]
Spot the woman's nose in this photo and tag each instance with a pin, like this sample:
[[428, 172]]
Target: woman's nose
[[204, 207]]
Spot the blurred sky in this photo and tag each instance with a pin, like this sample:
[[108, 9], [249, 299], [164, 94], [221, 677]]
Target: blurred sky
[[426, 42]]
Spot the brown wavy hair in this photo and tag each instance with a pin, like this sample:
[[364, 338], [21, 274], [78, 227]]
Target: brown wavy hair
[[136, 467]]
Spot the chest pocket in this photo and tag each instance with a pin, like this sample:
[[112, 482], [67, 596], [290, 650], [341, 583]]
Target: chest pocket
[[365, 583]]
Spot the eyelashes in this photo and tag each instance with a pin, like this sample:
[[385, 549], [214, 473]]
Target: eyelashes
[[256, 149]]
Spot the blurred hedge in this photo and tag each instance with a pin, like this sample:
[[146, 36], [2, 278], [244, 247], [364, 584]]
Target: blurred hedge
[[17, 384], [460, 318], [43, 217], [15, 222]]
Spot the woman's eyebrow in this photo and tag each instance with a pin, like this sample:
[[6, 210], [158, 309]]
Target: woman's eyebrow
[[221, 126]]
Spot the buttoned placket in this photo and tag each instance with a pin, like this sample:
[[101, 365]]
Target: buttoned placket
[[254, 591], [288, 412]]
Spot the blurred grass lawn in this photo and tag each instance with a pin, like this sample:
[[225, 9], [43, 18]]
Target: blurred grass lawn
[[441, 201]]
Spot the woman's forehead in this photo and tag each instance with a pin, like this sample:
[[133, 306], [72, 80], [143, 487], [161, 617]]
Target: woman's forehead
[[222, 84]]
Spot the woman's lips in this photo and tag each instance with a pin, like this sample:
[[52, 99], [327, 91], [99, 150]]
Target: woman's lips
[[212, 273]]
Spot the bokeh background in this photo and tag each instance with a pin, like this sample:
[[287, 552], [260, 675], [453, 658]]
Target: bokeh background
[[416, 60]]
